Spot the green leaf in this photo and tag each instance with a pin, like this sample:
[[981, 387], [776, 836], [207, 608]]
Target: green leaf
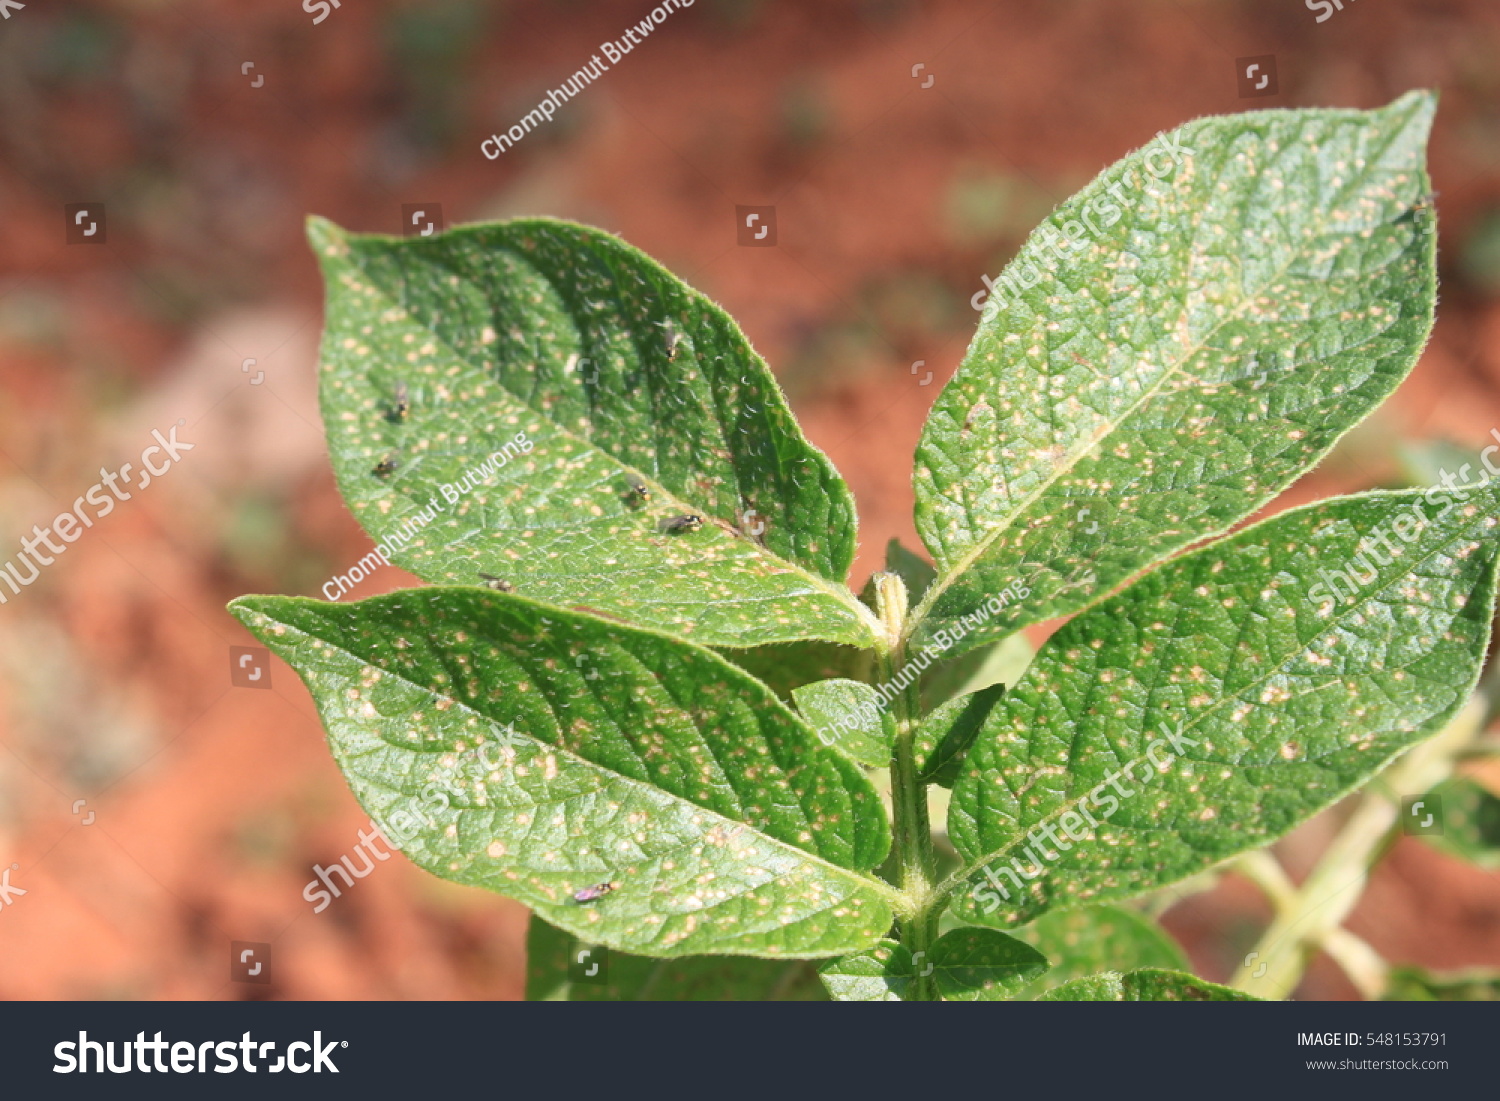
[[783, 666], [1223, 699], [879, 974], [1471, 823], [627, 978], [538, 753], [1000, 662], [1415, 984], [1238, 294], [849, 716], [972, 965], [1150, 985], [547, 959], [550, 369], [1080, 943], [946, 734], [1094, 988]]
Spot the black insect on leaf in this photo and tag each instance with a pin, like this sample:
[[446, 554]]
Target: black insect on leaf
[[597, 891], [402, 404]]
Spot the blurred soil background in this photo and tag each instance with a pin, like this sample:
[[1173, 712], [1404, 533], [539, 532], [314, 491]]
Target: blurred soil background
[[211, 803]]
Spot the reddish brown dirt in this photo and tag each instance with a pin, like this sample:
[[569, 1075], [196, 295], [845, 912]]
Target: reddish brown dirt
[[212, 803]]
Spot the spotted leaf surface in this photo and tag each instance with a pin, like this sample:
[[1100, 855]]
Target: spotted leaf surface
[[1198, 327], [634, 790], [1146, 985], [541, 402], [555, 973], [945, 735], [1087, 941], [849, 715], [1223, 699]]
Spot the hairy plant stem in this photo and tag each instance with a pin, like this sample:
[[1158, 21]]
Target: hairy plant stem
[[916, 863], [1310, 917]]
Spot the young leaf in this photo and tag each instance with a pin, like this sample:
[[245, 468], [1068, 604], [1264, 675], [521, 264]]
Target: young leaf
[[972, 965], [967, 965], [848, 715], [1236, 296], [570, 403], [1223, 699], [992, 663], [784, 666], [1084, 942], [1149, 985], [626, 978], [1471, 823], [541, 754], [879, 974], [945, 735]]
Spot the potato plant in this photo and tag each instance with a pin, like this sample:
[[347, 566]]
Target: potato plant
[[637, 696]]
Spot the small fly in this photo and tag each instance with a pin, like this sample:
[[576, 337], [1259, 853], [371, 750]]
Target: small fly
[[691, 522], [403, 403], [499, 584], [640, 492], [597, 891], [674, 338], [385, 467]]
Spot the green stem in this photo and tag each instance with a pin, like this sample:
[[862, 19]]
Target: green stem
[[916, 862]]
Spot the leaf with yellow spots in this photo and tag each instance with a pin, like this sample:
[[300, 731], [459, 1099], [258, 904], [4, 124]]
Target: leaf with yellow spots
[[1146, 985], [849, 716], [981, 965], [538, 753], [569, 403], [1173, 347], [1223, 699]]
